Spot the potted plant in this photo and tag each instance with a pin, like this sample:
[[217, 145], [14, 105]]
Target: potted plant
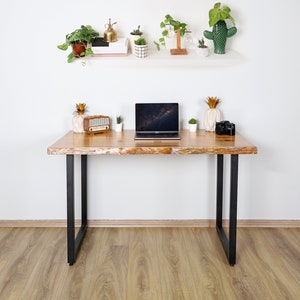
[[192, 125], [172, 28], [119, 123], [202, 49], [80, 40], [220, 32], [212, 115], [140, 47], [134, 35]]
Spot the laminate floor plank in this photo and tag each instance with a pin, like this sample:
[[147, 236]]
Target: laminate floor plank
[[48, 274], [175, 273], [27, 247], [112, 266], [149, 264], [143, 266], [208, 264]]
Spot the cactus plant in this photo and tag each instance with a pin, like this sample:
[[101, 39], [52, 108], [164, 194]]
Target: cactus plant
[[119, 119], [220, 32]]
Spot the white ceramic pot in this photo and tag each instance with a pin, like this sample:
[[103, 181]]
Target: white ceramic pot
[[211, 116], [119, 127], [77, 123], [202, 51], [192, 127], [141, 51]]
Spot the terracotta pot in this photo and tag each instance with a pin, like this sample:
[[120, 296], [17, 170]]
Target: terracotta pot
[[78, 48]]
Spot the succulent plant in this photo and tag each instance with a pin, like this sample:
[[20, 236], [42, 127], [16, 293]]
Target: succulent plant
[[140, 42], [201, 43], [119, 119], [136, 31], [192, 121]]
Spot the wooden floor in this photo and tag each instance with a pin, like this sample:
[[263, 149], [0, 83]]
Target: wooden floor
[[149, 263]]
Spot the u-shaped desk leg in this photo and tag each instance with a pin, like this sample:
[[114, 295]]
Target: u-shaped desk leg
[[73, 243], [229, 243]]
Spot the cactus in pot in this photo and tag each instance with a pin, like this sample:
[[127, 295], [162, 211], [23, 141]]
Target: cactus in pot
[[220, 32], [192, 125]]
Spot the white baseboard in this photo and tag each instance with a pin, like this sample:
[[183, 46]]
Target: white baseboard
[[151, 223]]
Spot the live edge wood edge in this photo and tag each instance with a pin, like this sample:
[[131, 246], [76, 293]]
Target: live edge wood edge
[[123, 143]]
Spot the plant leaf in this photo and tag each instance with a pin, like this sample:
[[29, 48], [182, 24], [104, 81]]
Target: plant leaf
[[89, 51], [162, 25], [157, 45], [165, 33], [63, 47], [217, 5], [70, 57]]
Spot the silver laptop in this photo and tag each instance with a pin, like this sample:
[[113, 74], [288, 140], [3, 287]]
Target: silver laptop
[[157, 121]]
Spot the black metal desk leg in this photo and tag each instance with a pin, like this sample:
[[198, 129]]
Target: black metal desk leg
[[220, 167], [233, 208], [75, 242], [70, 210], [229, 244], [84, 190]]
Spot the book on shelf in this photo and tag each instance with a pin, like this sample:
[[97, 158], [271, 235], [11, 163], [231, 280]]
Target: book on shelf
[[102, 48]]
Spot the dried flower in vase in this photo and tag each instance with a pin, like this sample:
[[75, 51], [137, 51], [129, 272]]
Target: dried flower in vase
[[80, 108], [212, 115], [78, 117], [212, 102]]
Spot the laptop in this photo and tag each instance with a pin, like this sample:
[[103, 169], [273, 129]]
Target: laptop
[[157, 121]]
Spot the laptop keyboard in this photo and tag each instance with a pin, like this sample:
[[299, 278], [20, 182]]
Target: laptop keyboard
[[157, 136]]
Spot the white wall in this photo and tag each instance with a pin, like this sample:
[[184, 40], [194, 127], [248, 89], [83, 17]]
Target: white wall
[[39, 91]]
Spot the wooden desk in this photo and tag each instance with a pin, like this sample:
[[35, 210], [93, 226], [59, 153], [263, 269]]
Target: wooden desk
[[123, 143]]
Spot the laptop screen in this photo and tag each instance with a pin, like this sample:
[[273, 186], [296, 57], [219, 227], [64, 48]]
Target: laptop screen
[[156, 117]]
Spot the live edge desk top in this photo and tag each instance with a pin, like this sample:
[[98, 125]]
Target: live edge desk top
[[123, 143]]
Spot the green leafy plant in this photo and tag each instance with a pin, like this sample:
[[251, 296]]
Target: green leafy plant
[[219, 13], [192, 121], [119, 119], [174, 24], [85, 35], [140, 42], [201, 43]]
